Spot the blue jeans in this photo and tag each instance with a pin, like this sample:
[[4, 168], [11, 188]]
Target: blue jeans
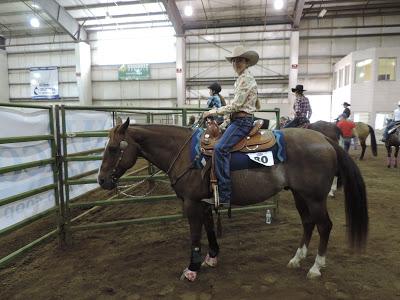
[[236, 131], [346, 143]]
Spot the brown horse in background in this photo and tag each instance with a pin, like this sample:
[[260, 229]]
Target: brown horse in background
[[312, 162], [363, 130]]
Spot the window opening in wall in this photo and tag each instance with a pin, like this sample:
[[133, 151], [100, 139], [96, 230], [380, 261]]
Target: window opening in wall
[[381, 120], [387, 68], [341, 75], [361, 117], [148, 45], [347, 75], [363, 70]]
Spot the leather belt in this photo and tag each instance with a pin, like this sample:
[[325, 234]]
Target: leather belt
[[240, 114]]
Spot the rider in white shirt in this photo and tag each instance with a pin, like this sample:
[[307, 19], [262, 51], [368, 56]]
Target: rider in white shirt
[[396, 119]]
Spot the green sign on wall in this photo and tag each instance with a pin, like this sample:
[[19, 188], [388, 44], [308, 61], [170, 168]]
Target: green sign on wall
[[134, 72]]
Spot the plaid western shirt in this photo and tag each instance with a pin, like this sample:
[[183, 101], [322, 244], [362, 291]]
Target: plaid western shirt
[[302, 107]]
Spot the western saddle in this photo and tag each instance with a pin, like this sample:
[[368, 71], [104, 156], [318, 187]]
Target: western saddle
[[257, 140]]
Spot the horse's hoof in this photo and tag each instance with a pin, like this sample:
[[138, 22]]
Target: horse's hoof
[[314, 273], [188, 275], [331, 194], [293, 264], [210, 261]]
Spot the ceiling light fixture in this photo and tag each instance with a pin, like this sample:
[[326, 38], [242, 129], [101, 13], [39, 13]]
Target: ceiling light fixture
[[34, 22], [278, 4], [322, 13], [188, 11]]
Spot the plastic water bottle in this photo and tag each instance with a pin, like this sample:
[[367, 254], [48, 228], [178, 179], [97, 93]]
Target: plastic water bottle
[[268, 217]]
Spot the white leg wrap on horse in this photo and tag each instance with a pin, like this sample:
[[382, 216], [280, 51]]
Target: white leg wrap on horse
[[315, 269], [189, 275], [301, 254]]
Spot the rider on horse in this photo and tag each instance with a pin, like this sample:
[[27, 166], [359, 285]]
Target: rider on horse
[[396, 120], [241, 110], [301, 107]]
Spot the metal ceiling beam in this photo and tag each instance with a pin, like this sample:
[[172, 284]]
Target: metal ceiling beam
[[298, 13], [351, 14], [174, 15], [359, 8], [110, 4], [90, 27], [123, 16], [63, 18], [272, 20]]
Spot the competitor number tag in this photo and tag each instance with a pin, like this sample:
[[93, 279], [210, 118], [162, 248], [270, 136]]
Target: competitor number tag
[[264, 158]]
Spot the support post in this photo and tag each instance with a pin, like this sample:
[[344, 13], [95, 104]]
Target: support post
[[83, 73], [180, 70], [293, 65], [4, 86]]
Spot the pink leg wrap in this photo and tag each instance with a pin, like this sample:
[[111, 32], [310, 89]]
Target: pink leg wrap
[[189, 275], [210, 261]]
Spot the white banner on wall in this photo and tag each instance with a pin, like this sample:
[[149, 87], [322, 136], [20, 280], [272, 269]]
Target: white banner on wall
[[44, 83]]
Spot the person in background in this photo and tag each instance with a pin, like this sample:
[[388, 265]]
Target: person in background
[[396, 119], [241, 109], [347, 127], [301, 107], [346, 111], [192, 119], [215, 100]]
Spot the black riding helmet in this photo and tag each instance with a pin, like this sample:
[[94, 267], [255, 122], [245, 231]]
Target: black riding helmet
[[215, 87]]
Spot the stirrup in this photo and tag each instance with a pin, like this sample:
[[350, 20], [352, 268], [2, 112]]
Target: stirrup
[[208, 200]]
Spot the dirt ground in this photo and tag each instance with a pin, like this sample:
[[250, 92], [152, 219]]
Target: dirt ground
[[145, 261]]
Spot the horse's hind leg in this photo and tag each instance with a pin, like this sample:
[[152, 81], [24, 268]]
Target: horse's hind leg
[[213, 248], [320, 215], [308, 227], [363, 147]]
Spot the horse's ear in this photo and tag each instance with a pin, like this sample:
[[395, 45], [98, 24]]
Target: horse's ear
[[125, 125], [119, 121]]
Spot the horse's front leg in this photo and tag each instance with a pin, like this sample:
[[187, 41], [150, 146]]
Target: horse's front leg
[[396, 154], [194, 212], [389, 154], [213, 248]]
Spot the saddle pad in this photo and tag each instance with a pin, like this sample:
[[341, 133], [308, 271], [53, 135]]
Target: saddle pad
[[239, 160]]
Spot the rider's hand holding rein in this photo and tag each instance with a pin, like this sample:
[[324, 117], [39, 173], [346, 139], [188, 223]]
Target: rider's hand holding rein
[[209, 113]]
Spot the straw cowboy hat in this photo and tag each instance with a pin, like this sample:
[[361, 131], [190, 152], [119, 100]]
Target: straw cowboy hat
[[298, 88], [240, 51]]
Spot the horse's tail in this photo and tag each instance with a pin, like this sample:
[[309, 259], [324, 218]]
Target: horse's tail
[[355, 197], [374, 148]]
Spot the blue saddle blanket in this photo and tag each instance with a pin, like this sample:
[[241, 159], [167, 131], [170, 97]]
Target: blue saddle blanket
[[239, 160]]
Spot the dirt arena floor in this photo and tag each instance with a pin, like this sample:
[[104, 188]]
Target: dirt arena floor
[[145, 261]]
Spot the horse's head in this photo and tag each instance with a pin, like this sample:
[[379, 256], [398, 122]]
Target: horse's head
[[119, 155]]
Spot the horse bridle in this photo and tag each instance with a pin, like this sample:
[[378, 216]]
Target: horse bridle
[[122, 146]]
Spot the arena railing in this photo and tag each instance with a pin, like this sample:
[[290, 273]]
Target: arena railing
[[54, 162]]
